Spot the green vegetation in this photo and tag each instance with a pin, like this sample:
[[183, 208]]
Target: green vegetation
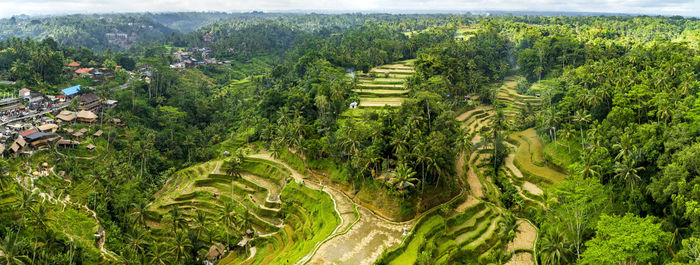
[[467, 127]]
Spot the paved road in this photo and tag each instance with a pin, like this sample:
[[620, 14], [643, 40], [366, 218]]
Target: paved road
[[54, 108]]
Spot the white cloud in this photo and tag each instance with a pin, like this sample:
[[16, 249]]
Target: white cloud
[[41, 7]]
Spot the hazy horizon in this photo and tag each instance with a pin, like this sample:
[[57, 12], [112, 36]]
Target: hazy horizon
[[632, 7]]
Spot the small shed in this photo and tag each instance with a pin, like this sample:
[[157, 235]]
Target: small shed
[[215, 253], [67, 143], [91, 147], [98, 133], [353, 105]]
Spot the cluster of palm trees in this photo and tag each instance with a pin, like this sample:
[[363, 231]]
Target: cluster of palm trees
[[190, 234]]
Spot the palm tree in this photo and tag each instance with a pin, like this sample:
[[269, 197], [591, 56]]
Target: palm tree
[[422, 158], [177, 218], [10, 249], [508, 229], [228, 217], [159, 254], [136, 241], [581, 117], [5, 178], [232, 168], [180, 247], [139, 212], [50, 240], [588, 167], [40, 214], [555, 248], [627, 171], [201, 222], [625, 146], [27, 200], [403, 178]]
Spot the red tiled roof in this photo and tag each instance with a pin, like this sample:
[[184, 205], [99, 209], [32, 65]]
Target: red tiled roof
[[28, 132], [74, 64], [82, 71]]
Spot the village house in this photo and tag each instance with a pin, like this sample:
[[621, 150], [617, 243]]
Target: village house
[[24, 93], [66, 116], [84, 72], [48, 128], [71, 92], [74, 64], [87, 117], [207, 38], [17, 146], [89, 102], [39, 139]]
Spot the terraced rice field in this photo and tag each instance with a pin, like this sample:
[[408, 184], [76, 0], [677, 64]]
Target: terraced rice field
[[529, 158], [359, 239], [287, 235], [383, 85], [461, 235]]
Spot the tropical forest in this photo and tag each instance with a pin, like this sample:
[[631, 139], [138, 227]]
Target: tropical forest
[[349, 138]]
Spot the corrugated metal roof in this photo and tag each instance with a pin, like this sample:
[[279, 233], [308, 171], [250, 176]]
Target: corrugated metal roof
[[71, 90]]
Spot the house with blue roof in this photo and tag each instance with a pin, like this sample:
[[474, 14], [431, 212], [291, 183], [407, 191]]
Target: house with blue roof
[[71, 91]]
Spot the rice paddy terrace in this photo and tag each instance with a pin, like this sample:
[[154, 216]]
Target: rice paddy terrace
[[469, 233], [382, 86], [298, 221]]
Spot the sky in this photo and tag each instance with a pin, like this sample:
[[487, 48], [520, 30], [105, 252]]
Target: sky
[[48, 7]]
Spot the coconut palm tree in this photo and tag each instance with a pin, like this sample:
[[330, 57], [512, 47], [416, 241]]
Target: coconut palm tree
[[581, 117], [403, 178], [201, 222], [626, 171], [5, 178], [137, 241], [139, 212], [422, 158], [177, 218], [159, 254], [27, 199], [555, 248], [228, 217], [508, 229], [10, 249], [50, 240], [588, 167], [180, 247]]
